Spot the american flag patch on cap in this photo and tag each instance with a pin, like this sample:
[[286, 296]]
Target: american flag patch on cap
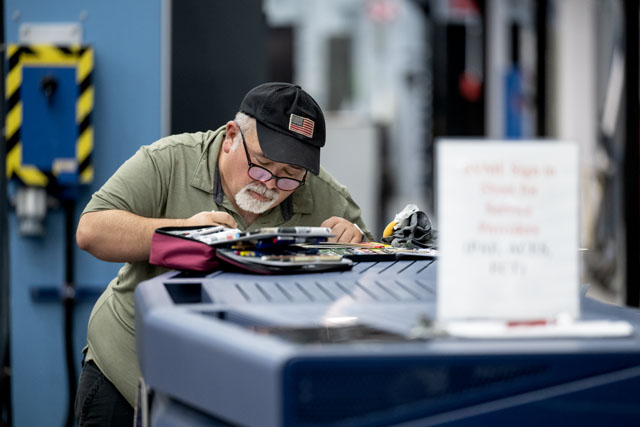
[[301, 125]]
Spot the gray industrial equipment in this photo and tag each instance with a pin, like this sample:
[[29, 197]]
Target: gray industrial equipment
[[342, 349]]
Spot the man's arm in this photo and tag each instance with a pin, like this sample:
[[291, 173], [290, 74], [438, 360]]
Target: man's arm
[[121, 236]]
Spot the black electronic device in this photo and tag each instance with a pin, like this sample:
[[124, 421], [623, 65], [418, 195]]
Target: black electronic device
[[272, 250]]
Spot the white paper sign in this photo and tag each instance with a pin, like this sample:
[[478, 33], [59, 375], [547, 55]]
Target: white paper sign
[[507, 229]]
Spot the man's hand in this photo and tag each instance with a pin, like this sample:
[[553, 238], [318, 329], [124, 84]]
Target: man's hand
[[345, 231], [212, 218]]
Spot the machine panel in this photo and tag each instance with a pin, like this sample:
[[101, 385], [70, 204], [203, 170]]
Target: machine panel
[[341, 349]]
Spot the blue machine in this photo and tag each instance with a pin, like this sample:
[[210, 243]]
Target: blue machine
[[49, 140], [338, 349]]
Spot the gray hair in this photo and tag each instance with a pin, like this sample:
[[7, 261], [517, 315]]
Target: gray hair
[[247, 125]]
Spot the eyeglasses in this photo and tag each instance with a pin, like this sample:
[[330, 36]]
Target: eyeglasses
[[263, 175]]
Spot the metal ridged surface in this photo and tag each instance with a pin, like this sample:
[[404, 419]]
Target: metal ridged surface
[[398, 282]]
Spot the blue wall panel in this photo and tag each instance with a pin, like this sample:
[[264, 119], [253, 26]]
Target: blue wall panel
[[126, 37]]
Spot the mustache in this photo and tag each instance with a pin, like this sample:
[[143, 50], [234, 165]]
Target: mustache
[[263, 190]]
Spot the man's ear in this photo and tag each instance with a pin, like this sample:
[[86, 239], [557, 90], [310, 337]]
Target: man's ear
[[231, 132]]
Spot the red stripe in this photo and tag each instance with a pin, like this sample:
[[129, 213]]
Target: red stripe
[[306, 133], [306, 129]]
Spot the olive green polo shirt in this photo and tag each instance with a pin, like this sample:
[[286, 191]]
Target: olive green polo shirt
[[177, 177]]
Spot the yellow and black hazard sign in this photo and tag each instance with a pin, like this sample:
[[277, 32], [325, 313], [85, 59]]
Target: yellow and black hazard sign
[[48, 132]]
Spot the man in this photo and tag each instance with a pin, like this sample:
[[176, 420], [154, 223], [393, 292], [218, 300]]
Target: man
[[251, 173]]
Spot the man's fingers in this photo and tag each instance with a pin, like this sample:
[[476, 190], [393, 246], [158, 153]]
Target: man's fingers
[[344, 231], [335, 231], [223, 218], [350, 235], [331, 222], [212, 218], [338, 231], [356, 237]]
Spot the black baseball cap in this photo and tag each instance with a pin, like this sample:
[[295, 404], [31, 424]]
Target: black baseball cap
[[289, 122]]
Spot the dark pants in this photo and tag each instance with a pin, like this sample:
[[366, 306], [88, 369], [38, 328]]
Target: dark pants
[[98, 401]]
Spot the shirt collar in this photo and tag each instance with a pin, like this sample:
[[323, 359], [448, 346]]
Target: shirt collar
[[204, 174]]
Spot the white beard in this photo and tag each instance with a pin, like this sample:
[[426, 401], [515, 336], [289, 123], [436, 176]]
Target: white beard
[[247, 202]]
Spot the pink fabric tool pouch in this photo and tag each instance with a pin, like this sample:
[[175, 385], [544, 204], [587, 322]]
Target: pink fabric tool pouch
[[181, 253]]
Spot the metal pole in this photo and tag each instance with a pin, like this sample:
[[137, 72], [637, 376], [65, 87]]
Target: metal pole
[[541, 67], [5, 378], [631, 172], [69, 302]]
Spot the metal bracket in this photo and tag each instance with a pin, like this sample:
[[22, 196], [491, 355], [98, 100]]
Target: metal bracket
[[66, 33]]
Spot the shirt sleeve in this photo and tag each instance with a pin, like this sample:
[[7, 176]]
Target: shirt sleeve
[[138, 186]]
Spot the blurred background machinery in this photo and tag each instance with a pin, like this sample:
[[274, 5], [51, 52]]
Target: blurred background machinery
[[392, 76]]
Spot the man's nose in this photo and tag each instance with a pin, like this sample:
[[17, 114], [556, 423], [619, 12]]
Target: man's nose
[[271, 184]]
